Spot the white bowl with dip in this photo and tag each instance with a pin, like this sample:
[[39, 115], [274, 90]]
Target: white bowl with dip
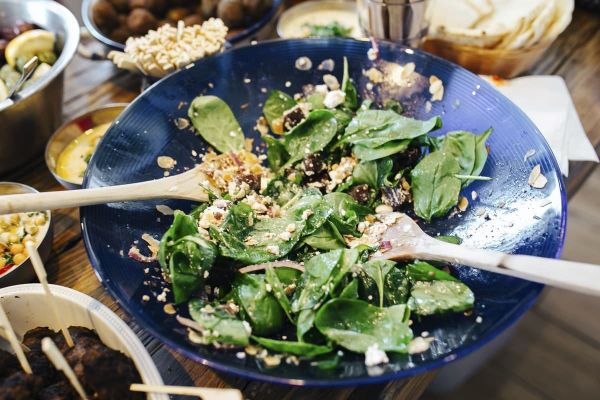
[[27, 308], [15, 266], [70, 147], [294, 21]]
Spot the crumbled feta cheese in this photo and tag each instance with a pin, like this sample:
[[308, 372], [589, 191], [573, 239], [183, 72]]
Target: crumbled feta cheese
[[306, 214], [145, 298], [162, 297], [436, 88], [285, 236], [340, 171], [290, 228], [212, 216], [334, 98], [268, 288], [374, 75], [331, 82], [372, 54], [374, 356], [273, 249], [419, 345], [241, 355], [206, 273], [321, 89], [478, 319]]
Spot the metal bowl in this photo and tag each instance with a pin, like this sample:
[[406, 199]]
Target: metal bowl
[[72, 130], [259, 30], [24, 272], [37, 111]]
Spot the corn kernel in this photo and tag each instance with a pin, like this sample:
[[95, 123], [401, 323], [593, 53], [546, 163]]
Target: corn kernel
[[19, 258], [16, 248]]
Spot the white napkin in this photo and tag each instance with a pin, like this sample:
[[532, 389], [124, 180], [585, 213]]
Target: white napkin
[[547, 101]]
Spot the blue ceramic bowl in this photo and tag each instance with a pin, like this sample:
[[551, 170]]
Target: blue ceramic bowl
[[507, 214], [246, 34]]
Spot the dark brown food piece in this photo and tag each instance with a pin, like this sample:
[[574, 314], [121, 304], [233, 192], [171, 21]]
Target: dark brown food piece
[[178, 13], [105, 373], [8, 364], [121, 6], [253, 181], [193, 19], [120, 34], [253, 8], [395, 197], [156, 7], [141, 21], [208, 8], [293, 117], [25, 26], [409, 157], [360, 193], [231, 12], [314, 167], [104, 15]]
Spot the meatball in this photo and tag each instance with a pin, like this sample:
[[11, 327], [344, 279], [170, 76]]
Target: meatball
[[156, 7], [231, 12], [141, 21], [120, 34], [104, 15], [253, 8], [208, 8], [121, 6], [178, 13], [193, 19]]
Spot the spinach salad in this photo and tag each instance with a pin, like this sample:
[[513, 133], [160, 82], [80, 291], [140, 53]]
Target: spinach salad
[[277, 262]]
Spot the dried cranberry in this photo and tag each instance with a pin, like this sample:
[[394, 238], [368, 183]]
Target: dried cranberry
[[252, 180], [360, 193], [394, 197], [409, 157], [293, 117]]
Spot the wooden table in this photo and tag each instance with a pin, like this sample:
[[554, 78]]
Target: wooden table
[[89, 84]]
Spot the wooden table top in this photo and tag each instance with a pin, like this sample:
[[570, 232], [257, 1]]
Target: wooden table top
[[89, 84]]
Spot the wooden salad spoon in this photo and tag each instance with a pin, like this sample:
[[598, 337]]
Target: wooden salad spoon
[[189, 185], [407, 241]]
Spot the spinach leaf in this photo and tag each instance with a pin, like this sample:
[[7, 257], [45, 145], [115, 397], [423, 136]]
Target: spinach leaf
[[350, 291], [347, 213], [306, 350], [218, 326], [333, 29], [357, 325], [322, 274], [436, 297], [365, 105], [277, 155], [373, 173], [351, 99], [258, 306], [327, 237], [215, 122], [396, 288], [185, 256], [468, 149], [277, 287], [392, 104], [435, 189], [269, 239], [304, 324], [373, 128], [378, 270], [310, 136], [366, 153], [277, 103], [423, 271], [449, 239], [316, 101]]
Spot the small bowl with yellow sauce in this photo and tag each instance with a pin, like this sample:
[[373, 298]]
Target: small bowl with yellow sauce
[[70, 148], [15, 231]]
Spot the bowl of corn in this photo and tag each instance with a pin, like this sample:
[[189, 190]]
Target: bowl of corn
[[16, 230]]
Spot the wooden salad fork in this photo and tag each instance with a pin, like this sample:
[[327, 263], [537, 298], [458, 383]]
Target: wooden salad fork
[[407, 241], [189, 185]]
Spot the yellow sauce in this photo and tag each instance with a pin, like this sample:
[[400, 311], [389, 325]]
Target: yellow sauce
[[73, 160]]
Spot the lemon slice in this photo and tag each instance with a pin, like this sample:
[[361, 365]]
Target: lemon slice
[[28, 44], [3, 90]]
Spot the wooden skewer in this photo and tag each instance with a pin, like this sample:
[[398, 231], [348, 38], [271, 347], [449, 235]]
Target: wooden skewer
[[4, 336], [203, 393], [58, 360], [40, 271], [14, 342]]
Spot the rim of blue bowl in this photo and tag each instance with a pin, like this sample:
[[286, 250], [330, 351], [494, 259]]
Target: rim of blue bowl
[[367, 380], [86, 7]]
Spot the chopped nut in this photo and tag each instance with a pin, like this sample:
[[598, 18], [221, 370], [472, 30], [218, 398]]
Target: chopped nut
[[536, 179], [383, 209], [331, 82], [326, 65], [182, 123], [169, 309]]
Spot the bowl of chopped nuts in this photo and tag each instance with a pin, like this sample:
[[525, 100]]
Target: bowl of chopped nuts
[[16, 230]]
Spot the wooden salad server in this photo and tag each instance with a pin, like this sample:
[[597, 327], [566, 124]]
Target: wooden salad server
[[189, 185], [408, 241]]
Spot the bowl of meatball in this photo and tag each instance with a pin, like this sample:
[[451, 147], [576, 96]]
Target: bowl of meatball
[[112, 22]]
